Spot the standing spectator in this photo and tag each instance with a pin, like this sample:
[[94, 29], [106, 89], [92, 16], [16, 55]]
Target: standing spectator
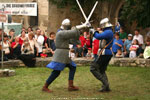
[[133, 49], [87, 45], [22, 37], [139, 37], [50, 44], [33, 44], [117, 43], [122, 34], [6, 47], [40, 40], [117, 27], [127, 45], [147, 49], [11, 35], [16, 48], [95, 47]]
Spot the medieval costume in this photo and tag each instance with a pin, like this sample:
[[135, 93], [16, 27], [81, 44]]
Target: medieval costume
[[99, 66], [61, 56]]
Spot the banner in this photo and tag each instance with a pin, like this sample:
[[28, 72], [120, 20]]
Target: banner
[[28, 9]]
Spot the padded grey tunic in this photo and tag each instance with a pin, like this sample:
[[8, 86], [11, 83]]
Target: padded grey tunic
[[63, 37]]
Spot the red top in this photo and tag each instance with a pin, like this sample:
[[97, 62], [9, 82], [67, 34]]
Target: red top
[[82, 40], [43, 55], [95, 46], [88, 43], [20, 41]]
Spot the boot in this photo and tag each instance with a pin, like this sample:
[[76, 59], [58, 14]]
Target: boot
[[105, 89], [71, 87], [45, 88]]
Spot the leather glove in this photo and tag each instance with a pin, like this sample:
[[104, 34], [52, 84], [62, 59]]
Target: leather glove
[[84, 25], [92, 31]]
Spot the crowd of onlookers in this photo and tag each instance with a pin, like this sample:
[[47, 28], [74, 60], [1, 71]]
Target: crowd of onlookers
[[35, 43]]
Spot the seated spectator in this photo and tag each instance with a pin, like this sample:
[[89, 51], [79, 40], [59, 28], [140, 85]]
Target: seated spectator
[[72, 53], [22, 37], [16, 48], [89, 53], [139, 37], [122, 34], [6, 47], [127, 45], [95, 47], [11, 35], [29, 30], [27, 55], [133, 49], [43, 54], [45, 38], [79, 51], [117, 44], [82, 40], [119, 53], [147, 49], [50, 44], [33, 44], [117, 27]]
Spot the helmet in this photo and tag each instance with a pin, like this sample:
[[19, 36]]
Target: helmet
[[104, 23], [65, 24]]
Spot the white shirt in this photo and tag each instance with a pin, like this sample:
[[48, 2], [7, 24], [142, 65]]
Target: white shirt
[[139, 38], [133, 53], [6, 47], [32, 44], [40, 41]]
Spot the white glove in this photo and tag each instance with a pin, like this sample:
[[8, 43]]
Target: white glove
[[92, 31], [84, 25]]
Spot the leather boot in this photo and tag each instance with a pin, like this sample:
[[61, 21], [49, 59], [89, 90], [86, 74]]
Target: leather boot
[[45, 88], [71, 87]]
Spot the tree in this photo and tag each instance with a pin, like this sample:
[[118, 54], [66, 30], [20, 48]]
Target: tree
[[138, 11]]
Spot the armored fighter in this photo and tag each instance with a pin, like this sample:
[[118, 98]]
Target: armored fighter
[[61, 57], [99, 66]]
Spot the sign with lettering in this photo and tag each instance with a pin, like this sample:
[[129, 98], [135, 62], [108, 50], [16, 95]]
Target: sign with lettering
[[3, 18], [28, 9]]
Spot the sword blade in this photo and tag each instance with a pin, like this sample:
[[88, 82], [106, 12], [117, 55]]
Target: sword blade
[[92, 12], [81, 10]]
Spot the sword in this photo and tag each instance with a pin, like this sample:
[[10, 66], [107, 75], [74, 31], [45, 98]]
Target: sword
[[85, 17]]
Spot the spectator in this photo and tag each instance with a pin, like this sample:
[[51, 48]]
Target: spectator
[[79, 51], [45, 38], [133, 49], [117, 44], [40, 40], [119, 53], [95, 47], [11, 35], [122, 34], [117, 27], [27, 55], [72, 53], [1, 34], [50, 44], [6, 47], [147, 49], [33, 43], [139, 37], [87, 45], [16, 48], [24, 29], [82, 40], [127, 45], [89, 53], [22, 37], [43, 54], [29, 29]]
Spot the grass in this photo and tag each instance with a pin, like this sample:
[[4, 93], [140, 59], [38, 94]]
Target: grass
[[127, 83]]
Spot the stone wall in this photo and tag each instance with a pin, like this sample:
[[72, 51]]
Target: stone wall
[[120, 62]]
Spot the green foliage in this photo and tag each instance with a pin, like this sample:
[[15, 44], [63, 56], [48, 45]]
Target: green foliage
[[137, 10]]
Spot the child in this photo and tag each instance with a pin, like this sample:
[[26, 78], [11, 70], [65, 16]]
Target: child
[[133, 49], [43, 54], [79, 51], [119, 53], [89, 54]]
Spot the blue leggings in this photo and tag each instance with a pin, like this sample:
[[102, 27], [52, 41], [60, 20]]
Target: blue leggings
[[56, 73]]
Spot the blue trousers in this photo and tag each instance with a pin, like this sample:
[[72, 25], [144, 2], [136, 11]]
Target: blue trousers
[[55, 73]]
